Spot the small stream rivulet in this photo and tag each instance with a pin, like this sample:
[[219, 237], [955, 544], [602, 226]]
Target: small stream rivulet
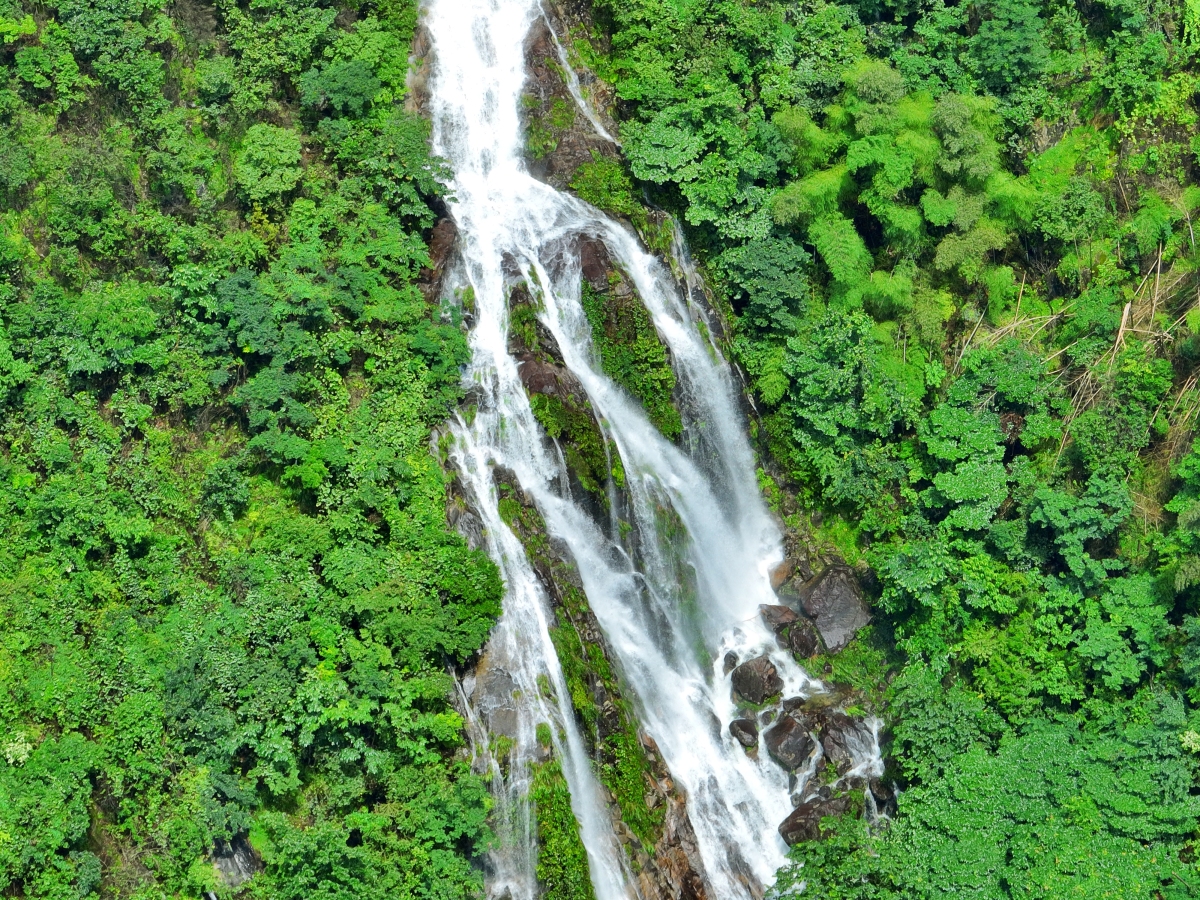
[[677, 585]]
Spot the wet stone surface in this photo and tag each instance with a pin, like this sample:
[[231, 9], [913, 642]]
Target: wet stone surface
[[804, 824], [777, 618], [788, 742], [757, 680], [745, 732], [802, 639], [839, 733], [834, 600]]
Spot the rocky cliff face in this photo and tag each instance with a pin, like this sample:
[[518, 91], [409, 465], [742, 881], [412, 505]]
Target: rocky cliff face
[[560, 138]]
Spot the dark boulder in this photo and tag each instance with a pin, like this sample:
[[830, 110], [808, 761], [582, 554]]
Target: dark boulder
[[804, 824], [730, 662], [594, 259], [788, 742], [755, 680], [235, 861], [777, 618], [802, 638], [795, 632], [834, 600], [840, 734], [745, 731], [884, 797]]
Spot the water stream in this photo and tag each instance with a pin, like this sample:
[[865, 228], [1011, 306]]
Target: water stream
[[683, 588]]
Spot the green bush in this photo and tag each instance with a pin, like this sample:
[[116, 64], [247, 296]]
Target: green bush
[[268, 165]]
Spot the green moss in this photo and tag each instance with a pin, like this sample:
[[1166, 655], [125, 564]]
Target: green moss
[[606, 184], [523, 324], [633, 355], [501, 747], [562, 866], [509, 509], [864, 664], [544, 131], [622, 764], [562, 114], [623, 767], [583, 443]]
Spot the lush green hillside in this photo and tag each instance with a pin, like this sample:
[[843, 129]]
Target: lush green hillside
[[227, 592], [958, 244]]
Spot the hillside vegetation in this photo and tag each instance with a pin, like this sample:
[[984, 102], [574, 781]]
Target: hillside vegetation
[[957, 244], [227, 590]]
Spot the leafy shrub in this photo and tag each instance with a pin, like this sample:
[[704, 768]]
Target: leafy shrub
[[268, 165]]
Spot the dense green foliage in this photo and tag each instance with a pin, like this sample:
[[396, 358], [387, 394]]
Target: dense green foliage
[[562, 866], [957, 247], [633, 354], [227, 590]]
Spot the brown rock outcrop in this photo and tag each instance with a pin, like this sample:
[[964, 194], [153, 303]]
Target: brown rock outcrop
[[441, 245]]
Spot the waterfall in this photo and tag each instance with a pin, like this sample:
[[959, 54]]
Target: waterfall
[[671, 601]]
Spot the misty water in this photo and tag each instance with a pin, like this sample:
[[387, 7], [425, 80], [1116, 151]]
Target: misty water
[[681, 586]]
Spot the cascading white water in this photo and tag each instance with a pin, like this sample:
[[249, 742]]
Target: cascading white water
[[676, 600]]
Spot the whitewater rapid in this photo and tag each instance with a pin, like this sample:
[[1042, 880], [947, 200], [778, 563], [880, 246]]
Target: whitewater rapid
[[674, 601]]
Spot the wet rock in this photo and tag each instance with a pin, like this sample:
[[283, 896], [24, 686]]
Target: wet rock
[[834, 600], [804, 824], [507, 480], [840, 734], [419, 69], [493, 697], [441, 242], [812, 791], [795, 632], [730, 662], [235, 861], [564, 145], [884, 796], [777, 618], [834, 695], [756, 680], [596, 264], [540, 377], [745, 731], [471, 529], [441, 245], [802, 638], [782, 572], [788, 742], [803, 570]]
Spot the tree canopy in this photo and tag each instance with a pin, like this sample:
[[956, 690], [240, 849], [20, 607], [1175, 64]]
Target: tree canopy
[[228, 590]]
